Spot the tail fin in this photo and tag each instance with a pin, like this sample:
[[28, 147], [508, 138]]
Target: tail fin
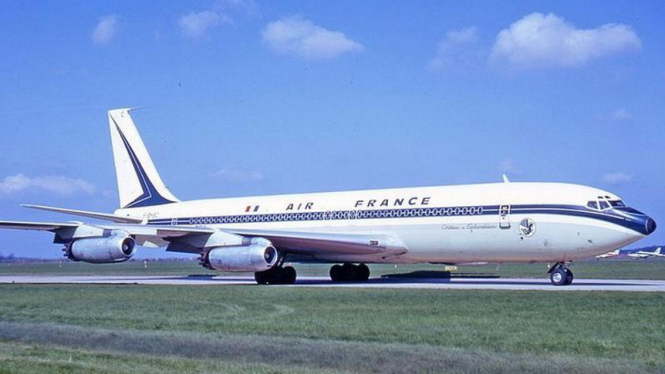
[[139, 184]]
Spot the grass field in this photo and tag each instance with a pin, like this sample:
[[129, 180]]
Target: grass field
[[248, 329], [599, 269], [251, 329]]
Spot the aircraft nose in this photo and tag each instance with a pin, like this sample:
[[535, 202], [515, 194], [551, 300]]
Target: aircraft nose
[[650, 226]]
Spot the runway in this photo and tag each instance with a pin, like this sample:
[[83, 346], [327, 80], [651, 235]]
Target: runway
[[539, 284]]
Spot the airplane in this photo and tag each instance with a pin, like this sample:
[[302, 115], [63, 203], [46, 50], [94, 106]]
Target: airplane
[[552, 223], [647, 254], [612, 254]]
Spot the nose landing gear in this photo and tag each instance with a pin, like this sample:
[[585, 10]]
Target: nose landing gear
[[560, 275]]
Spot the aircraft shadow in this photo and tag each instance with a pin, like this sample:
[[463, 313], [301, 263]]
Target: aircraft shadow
[[462, 281], [477, 281]]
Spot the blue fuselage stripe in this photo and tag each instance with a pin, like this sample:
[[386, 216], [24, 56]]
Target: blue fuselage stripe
[[636, 224]]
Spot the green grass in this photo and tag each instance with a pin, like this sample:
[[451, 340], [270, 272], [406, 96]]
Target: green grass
[[250, 329], [282, 329], [40, 358], [598, 269]]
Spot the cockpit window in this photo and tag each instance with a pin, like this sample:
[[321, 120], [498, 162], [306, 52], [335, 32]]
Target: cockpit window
[[604, 203]]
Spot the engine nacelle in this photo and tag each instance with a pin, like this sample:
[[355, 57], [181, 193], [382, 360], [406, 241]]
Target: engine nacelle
[[116, 248], [260, 255]]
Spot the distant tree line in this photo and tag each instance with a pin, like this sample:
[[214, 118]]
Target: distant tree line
[[8, 258]]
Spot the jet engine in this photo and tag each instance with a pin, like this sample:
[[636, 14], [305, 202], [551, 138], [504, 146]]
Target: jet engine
[[116, 248], [259, 255]]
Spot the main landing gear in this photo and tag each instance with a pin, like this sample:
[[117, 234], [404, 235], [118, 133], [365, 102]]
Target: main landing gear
[[278, 274], [349, 273], [560, 275]]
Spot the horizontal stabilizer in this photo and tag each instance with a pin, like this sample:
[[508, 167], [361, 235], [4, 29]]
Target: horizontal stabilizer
[[82, 213]]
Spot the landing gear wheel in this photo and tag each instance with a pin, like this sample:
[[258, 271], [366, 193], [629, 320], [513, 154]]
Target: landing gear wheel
[[362, 273], [336, 273], [260, 277], [569, 277], [276, 275], [349, 272], [559, 276], [289, 275]]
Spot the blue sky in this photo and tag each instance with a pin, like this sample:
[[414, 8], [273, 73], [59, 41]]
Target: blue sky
[[251, 97]]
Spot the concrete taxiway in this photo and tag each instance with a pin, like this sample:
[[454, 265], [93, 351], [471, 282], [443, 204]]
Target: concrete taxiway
[[541, 284]]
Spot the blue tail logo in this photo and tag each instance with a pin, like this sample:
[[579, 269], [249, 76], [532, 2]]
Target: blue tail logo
[[150, 196]]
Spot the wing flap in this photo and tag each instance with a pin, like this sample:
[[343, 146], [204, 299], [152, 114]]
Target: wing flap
[[162, 232], [329, 243]]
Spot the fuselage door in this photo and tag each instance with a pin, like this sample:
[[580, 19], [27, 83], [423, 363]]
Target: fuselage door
[[352, 217], [504, 216], [327, 218]]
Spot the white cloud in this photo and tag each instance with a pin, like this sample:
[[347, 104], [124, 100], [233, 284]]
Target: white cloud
[[457, 48], [620, 114], [58, 185], [463, 36], [618, 178], [545, 41], [106, 29], [238, 176], [617, 115], [195, 25], [300, 37]]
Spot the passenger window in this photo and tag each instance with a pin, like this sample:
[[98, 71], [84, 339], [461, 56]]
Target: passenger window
[[592, 205], [604, 205]]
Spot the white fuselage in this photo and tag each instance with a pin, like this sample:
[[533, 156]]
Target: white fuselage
[[499, 222]]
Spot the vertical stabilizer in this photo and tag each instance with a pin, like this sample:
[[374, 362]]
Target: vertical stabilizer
[[139, 184]]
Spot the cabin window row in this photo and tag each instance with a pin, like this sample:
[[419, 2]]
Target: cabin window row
[[338, 215]]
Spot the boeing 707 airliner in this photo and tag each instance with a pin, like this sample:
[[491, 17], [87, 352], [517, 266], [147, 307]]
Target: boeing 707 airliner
[[496, 222]]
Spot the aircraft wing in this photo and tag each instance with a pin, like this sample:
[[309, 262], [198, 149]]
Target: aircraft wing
[[297, 242], [38, 226], [145, 231]]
